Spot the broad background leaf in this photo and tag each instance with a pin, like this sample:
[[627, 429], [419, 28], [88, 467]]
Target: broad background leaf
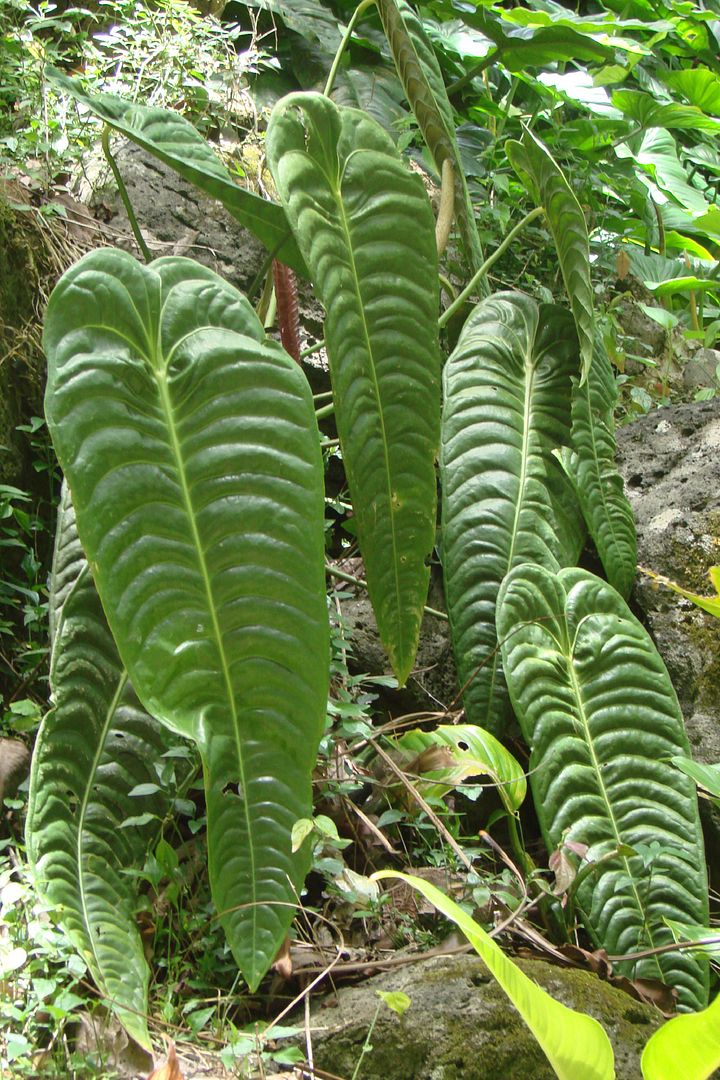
[[365, 228], [505, 498], [191, 450], [597, 708]]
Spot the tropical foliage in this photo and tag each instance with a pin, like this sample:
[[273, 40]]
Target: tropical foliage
[[188, 590]]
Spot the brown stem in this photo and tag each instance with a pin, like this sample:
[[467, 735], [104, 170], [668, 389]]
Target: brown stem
[[288, 315]]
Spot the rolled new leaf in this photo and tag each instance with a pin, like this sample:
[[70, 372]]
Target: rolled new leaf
[[173, 140], [590, 464], [575, 1044], [93, 748], [505, 497], [365, 228], [547, 186], [597, 708], [424, 87], [190, 446]]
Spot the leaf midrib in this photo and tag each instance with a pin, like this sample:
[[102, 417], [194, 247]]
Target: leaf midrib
[[161, 378], [577, 691]]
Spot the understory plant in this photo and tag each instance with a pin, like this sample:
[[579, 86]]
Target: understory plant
[[189, 578]]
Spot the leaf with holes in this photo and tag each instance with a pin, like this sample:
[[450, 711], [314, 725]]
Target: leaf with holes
[[94, 746], [505, 497], [365, 228], [173, 140], [590, 464], [422, 81], [453, 754], [547, 186], [190, 446], [597, 708]]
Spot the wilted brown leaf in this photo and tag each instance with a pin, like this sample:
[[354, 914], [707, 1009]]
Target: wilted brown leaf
[[170, 1070]]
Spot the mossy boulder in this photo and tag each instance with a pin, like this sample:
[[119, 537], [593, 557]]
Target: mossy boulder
[[461, 1026]]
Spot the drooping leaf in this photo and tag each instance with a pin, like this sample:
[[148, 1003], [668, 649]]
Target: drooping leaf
[[707, 939], [422, 80], [647, 112], [452, 754], [505, 497], [700, 86], [575, 1044], [597, 708], [93, 747], [687, 283], [520, 48], [711, 604], [705, 776], [687, 1046], [174, 141], [659, 165], [364, 225], [547, 185], [590, 464], [191, 450]]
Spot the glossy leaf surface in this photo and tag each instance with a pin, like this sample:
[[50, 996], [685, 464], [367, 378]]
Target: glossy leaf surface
[[95, 745], [505, 497], [422, 80], [172, 139], [547, 185], [456, 753], [596, 706], [190, 446], [590, 464], [575, 1045], [364, 225]]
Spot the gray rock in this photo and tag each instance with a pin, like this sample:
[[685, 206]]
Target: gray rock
[[670, 460], [701, 370], [461, 1026]]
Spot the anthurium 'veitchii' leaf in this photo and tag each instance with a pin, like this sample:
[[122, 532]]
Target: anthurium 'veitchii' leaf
[[190, 446], [422, 81], [546, 184], [575, 1044], [687, 1046], [711, 604], [364, 226], [172, 139], [505, 497], [454, 753], [597, 708], [590, 464], [95, 745]]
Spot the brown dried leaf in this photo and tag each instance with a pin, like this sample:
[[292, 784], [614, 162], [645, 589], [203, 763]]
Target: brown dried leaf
[[170, 1070]]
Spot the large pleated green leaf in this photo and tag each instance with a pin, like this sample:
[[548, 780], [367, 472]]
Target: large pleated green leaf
[[364, 225], [547, 186], [597, 708], [590, 464], [422, 80], [505, 498], [687, 1046], [191, 450], [93, 748], [576, 1045], [172, 139]]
